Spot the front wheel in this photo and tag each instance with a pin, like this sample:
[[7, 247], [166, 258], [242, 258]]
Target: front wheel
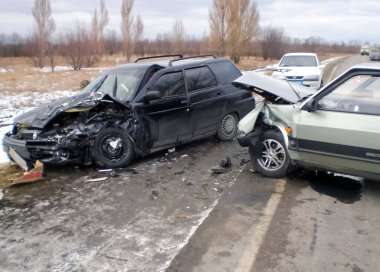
[[112, 148], [270, 157], [227, 127]]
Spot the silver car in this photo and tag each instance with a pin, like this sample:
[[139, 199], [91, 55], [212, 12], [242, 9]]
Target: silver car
[[336, 129]]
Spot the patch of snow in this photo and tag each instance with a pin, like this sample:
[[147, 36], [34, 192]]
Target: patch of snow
[[56, 68], [68, 68], [12, 105], [3, 70]]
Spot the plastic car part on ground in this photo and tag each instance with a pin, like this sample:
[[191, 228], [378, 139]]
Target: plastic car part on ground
[[32, 175]]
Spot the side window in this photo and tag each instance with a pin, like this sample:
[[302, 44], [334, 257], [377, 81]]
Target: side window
[[199, 78], [171, 84], [225, 71], [359, 94]]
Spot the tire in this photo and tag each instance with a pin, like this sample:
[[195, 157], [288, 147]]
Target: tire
[[112, 148], [270, 157], [227, 127], [320, 86]]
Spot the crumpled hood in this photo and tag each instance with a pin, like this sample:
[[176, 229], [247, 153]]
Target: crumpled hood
[[42, 115], [277, 87]]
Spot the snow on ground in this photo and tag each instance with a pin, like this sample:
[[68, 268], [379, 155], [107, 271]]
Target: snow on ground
[[12, 105], [66, 68]]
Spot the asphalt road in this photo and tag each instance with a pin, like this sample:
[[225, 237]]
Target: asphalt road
[[183, 212]]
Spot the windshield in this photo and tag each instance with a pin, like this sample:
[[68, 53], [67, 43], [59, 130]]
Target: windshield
[[118, 84], [301, 61]]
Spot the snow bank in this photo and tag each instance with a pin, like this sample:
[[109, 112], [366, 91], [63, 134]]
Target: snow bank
[[14, 105]]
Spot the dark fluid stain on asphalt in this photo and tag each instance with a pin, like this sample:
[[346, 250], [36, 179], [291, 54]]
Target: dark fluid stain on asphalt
[[344, 188]]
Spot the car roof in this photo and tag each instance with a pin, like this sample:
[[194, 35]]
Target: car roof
[[300, 54], [166, 63]]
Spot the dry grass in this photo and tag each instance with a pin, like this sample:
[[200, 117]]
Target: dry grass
[[21, 76], [18, 75], [9, 173]]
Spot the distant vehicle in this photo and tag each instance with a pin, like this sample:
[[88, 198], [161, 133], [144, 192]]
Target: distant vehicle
[[336, 129], [300, 68], [374, 54], [365, 49], [133, 110]]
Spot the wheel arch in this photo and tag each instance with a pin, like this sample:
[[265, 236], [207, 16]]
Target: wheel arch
[[281, 128]]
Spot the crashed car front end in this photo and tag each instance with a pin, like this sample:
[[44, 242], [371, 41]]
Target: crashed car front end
[[64, 133], [267, 129], [274, 109]]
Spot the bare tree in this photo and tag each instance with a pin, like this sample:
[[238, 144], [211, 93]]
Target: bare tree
[[139, 35], [272, 42], [218, 25], [243, 26], [178, 37], [112, 42], [44, 29], [76, 46], [127, 27], [98, 24]]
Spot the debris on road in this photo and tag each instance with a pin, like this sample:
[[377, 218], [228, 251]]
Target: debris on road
[[244, 161], [226, 163], [155, 194], [33, 175], [219, 190], [218, 171], [97, 179]]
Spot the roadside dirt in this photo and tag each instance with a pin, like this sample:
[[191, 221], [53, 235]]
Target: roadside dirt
[[135, 219]]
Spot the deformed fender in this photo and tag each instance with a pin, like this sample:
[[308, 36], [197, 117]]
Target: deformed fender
[[281, 128], [250, 129]]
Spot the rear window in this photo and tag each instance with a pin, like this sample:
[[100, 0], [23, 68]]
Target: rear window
[[224, 71], [199, 78]]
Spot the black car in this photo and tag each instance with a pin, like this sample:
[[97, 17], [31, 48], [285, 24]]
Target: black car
[[134, 110]]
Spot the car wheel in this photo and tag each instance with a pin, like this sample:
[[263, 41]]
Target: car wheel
[[112, 148], [270, 157], [227, 127], [320, 86]]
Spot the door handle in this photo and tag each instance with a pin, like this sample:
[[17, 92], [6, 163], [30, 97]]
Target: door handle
[[184, 102]]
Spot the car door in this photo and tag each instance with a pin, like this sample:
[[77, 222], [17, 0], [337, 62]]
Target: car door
[[167, 119], [206, 98], [344, 130]]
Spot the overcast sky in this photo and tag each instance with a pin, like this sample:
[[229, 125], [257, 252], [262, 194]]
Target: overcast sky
[[332, 20]]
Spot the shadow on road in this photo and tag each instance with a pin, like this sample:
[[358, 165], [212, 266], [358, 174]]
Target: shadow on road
[[345, 189]]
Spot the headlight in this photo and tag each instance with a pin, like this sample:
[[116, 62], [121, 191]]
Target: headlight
[[311, 78]]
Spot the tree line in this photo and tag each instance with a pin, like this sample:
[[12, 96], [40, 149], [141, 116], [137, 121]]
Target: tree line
[[234, 32]]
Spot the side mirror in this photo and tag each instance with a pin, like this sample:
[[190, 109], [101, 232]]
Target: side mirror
[[322, 66], [310, 106], [151, 95]]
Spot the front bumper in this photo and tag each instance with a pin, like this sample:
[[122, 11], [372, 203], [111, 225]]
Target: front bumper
[[17, 145], [46, 151]]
